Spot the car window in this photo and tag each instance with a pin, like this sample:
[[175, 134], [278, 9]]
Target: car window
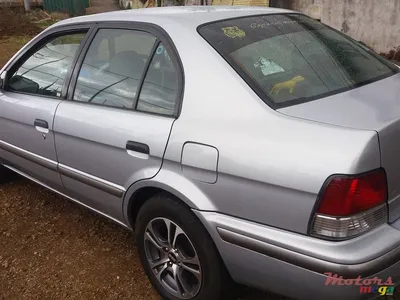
[[44, 72], [113, 67], [292, 58], [159, 92]]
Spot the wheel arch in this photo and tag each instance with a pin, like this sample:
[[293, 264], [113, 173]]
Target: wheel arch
[[175, 184]]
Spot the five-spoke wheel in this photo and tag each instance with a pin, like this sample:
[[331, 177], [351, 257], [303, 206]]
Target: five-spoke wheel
[[177, 253], [172, 258]]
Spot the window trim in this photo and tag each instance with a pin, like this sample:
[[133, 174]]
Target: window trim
[[144, 75], [36, 43], [252, 84], [161, 36]]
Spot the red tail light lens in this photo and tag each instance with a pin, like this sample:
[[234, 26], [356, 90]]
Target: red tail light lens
[[351, 205], [346, 195]]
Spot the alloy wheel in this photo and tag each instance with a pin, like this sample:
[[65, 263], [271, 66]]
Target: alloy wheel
[[172, 258]]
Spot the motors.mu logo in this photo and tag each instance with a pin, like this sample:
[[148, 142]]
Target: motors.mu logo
[[375, 285]]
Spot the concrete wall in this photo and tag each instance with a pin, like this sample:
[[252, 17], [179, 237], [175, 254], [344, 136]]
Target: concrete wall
[[375, 22], [198, 2], [136, 3]]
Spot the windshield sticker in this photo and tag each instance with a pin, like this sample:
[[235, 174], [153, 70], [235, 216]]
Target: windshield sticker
[[286, 85], [267, 66], [160, 49], [157, 65], [233, 32], [265, 25]]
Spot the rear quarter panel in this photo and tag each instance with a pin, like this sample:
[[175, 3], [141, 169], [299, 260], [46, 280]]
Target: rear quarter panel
[[271, 167]]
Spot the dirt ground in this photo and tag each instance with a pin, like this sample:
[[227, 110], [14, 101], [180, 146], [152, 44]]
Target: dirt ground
[[10, 45], [52, 248], [392, 54], [16, 29], [12, 23]]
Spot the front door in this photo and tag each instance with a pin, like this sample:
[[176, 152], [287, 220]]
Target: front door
[[115, 129], [32, 92]]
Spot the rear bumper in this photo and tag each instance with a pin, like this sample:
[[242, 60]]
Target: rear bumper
[[295, 265]]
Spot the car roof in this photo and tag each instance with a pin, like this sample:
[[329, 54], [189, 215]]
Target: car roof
[[184, 15]]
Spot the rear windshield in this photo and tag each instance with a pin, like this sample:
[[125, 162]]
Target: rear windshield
[[289, 58]]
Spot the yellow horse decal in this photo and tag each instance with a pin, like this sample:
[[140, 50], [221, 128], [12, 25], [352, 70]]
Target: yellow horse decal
[[289, 85], [233, 32]]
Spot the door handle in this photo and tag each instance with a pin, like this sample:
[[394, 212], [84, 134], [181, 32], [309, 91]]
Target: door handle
[[137, 147], [41, 125]]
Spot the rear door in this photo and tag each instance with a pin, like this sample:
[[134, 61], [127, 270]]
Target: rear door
[[36, 83], [124, 98]]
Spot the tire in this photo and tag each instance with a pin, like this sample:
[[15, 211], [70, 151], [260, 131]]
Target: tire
[[6, 175], [210, 281]]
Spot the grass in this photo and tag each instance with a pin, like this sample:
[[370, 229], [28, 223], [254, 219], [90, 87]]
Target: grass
[[45, 19], [10, 45], [46, 23]]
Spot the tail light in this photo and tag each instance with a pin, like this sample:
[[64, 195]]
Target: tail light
[[351, 205]]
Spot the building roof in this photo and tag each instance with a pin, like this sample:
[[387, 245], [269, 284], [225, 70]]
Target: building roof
[[184, 15]]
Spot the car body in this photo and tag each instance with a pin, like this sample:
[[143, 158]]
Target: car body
[[253, 164]]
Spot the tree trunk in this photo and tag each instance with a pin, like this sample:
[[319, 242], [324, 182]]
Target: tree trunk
[[27, 5]]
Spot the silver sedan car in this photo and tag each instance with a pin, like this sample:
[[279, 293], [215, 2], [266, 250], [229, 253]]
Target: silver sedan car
[[252, 145]]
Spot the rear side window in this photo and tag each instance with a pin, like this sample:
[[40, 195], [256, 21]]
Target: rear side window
[[289, 59], [113, 67], [129, 69], [159, 93]]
